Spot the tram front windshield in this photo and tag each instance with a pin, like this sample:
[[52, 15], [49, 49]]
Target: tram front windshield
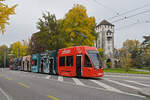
[[94, 56]]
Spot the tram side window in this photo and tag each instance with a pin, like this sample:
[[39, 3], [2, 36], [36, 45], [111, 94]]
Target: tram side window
[[61, 61], [87, 62], [69, 61]]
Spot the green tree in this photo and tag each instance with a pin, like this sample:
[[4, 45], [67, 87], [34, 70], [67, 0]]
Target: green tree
[[125, 58], [50, 35], [101, 53], [77, 20], [38, 43], [49, 28], [134, 48], [146, 40], [146, 51], [5, 11], [56, 34]]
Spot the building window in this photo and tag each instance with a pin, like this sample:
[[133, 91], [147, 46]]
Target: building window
[[69, 61], [61, 61], [109, 38]]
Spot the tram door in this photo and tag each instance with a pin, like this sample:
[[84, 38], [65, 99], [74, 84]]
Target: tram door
[[42, 66], [79, 65], [51, 66], [27, 65]]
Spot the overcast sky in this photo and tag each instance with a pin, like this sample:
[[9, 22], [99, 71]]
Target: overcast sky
[[23, 24]]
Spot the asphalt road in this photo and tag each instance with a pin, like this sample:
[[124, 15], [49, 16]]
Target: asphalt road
[[19, 85]]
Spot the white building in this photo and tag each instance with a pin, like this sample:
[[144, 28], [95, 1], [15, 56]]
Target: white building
[[105, 40]]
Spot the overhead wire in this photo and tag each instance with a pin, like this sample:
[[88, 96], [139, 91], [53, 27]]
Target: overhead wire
[[127, 17], [124, 13], [105, 6], [130, 25], [132, 10]]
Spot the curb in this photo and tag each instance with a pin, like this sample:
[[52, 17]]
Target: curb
[[144, 92], [127, 74]]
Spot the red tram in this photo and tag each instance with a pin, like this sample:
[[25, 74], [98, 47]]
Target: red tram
[[80, 61]]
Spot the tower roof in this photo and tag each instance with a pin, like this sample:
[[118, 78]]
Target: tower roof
[[104, 22]]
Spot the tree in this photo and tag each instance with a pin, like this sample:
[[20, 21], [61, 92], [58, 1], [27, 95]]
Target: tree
[[134, 48], [146, 44], [50, 35], [38, 43], [5, 11], [101, 53], [77, 20], [3, 49], [146, 40], [50, 29], [18, 49], [55, 34], [125, 58], [146, 51]]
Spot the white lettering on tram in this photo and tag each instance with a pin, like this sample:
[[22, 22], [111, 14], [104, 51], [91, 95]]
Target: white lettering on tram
[[65, 51]]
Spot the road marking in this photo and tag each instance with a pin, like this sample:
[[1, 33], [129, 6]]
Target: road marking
[[8, 78], [138, 83], [126, 85], [52, 97], [109, 88], [7, 96], [106, 86], [48, 77], [78, 82], [60, 78], [26, 86]]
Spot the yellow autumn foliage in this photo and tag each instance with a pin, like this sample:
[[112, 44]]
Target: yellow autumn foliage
[[19, 48], [100, 50], [77, 20], [5, 11]]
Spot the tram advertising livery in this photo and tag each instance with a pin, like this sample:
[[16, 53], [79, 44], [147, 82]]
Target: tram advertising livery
[[78, 61]]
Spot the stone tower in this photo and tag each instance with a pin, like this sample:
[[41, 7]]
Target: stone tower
[[105, 40]]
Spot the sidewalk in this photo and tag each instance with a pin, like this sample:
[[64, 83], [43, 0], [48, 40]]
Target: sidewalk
[[126, 74], [140, 70]]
